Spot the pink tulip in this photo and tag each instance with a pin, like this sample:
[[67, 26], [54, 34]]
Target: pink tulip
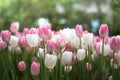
[[103, 30], [5, 34], [97, 39], [50, 45], [115, 43], [68, 47], [35, 68], [22, 42], [45, 32], [3, 45], [57, 48], [79, 30], [25, 31], [14, 27], [21, 66], [60, 42], [110, 78], [33, 31]]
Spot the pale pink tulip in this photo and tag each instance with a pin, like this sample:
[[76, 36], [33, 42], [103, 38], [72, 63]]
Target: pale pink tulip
[[88, 66], [45, 32], [33, 31], [60, 42], [21, 66], [115, 43], [35, 68], [14, 27], [110, 78], [5, 34], [25, 31], [50, 45], [103, 30], [79, 30]]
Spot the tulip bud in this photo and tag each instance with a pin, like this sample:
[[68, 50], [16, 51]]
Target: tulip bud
[[5, 34], [21, 66], [13, 41], [115, 43], [35, 68], [79, 30], [50, 61], [66, 58], [32, 40], [103, 30], [110, 78], [14, 27], [81, 54]]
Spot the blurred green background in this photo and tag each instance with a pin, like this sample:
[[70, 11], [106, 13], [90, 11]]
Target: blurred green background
[[61, 13]]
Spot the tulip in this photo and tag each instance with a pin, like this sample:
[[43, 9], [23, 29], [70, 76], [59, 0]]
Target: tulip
[[32, 40], [3, 45], [5, 34], [22, 42], [66, 58], [50, 61], [81, 54], [103, 30], [35, 68], [14, 41], [75, 42], [33, 31], [50, 45], [14, 27], [21, 66], [25, 31], [79, 30], [45, 32], [88, 39], [110, 78], [60, 42], [115, 43]]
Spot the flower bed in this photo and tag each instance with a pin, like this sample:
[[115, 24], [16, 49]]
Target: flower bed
[[68, 54]]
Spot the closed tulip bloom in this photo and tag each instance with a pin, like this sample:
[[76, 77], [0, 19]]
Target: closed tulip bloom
[[66, 58], [5, 34], [32, 40], [25, 31], [40, 52], [103, 30], [35, 68], [60, 42], [81, 54], [50, 61], [67, 68], [22, 42], [79, 30], [88, 38], [3, 45], [33, 31], [50, 45], [110, 78], [88, 66], [14, 27], [115, 43], [21, 66], [14, 41]]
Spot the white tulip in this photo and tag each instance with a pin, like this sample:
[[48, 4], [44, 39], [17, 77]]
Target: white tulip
[[75, 42], [88, 38], [81, 54], [66, 58], [106, 49], [32, 39], [14, 41], [50, 61]]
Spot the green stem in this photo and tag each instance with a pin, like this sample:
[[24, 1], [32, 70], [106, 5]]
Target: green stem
[[80, 43]]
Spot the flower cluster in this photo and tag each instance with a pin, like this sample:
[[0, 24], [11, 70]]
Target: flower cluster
[[67, 54]]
